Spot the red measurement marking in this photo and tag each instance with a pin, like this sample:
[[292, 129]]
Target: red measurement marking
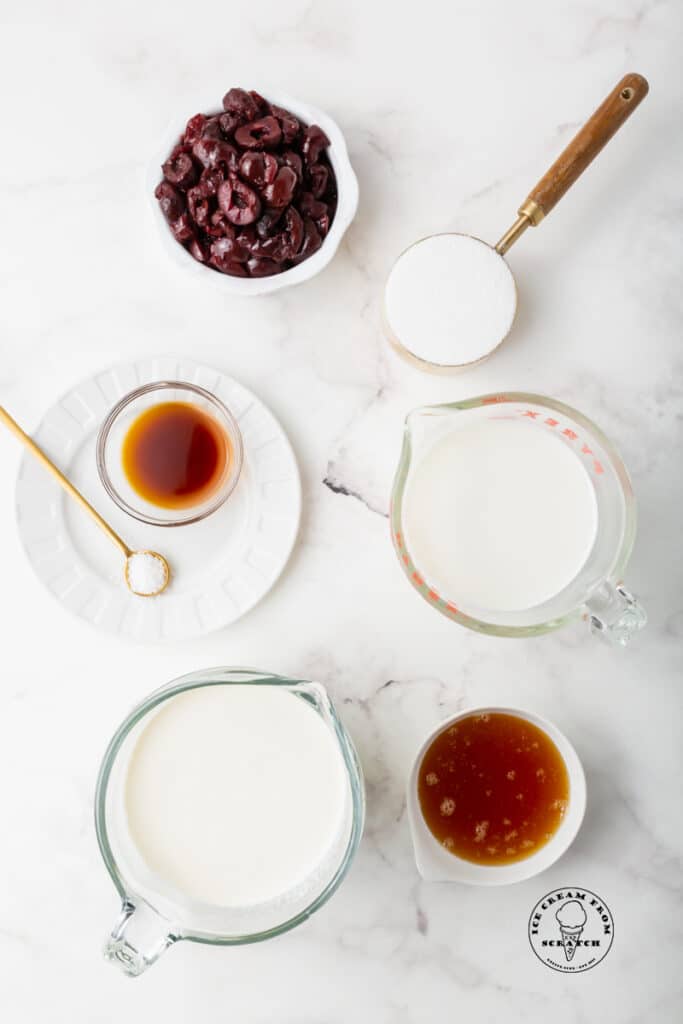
[[531, 414], [406, 559], [570, 434], [586, 450], [399, 540], [551, 422], [451, 608], [492, 399], [418, 579], [597, 467], [433, 596]]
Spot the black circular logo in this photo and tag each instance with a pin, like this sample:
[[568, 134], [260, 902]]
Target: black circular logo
[[571, 930]]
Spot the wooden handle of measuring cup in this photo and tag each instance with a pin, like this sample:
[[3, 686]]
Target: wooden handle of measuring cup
[[585, 146]]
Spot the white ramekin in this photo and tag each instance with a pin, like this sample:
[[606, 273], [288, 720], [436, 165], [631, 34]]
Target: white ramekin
[[436, 864], [347, 202]]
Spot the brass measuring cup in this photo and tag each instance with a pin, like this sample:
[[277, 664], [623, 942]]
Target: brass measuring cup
[[555, 183]]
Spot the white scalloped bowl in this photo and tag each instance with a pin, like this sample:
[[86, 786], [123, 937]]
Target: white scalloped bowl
[[347, 202]]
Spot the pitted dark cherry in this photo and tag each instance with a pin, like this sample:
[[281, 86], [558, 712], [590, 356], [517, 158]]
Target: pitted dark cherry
[[180, 170], [259, 169], [315, 141], [171, 200], [210, 180], [281, 191], [212, 129], [263, 268], [215, 153], [262, 134], [317, 178], [312, 242], [239, 203], [198, 205], [244, 105], [288, 123], [294, 161], [198, 250], [183, 228], [268, 222]]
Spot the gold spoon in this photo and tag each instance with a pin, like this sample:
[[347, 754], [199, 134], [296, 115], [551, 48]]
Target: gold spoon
[[133, 558]]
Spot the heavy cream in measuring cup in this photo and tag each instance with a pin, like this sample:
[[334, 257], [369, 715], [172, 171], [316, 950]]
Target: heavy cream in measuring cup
[[499, 515], [235, 794]]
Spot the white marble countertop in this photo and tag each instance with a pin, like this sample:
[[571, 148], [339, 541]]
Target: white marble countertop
[[451, 111]]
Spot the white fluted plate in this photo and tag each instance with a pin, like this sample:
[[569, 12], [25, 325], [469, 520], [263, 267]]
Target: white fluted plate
[[221, 567]]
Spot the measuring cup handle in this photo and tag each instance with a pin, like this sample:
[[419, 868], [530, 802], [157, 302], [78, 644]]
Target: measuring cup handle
[[138, 938], [585, 146], [615, 614]]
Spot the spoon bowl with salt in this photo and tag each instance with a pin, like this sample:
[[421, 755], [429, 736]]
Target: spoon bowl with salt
[[450, 299], [146, 573]]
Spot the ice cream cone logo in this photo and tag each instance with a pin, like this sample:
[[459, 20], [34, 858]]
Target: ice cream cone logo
[[571, 929], [571, 918]]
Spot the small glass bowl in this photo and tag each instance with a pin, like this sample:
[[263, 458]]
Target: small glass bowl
[[110, 446]]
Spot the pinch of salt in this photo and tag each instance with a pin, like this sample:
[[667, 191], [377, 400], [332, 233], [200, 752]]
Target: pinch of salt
[[146, 573]]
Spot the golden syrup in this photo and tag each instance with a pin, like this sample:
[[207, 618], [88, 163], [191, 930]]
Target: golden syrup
[[493, 788]]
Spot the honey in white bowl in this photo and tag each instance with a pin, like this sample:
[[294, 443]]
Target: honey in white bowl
[[493, 788]]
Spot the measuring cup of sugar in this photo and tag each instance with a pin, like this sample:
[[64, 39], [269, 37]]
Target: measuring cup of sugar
[[229, 807], [450, 299], [513, 515]]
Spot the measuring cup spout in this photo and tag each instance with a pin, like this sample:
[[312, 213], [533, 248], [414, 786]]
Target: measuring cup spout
[[138, 938], [421, 426], [428, 421], [615, 614]]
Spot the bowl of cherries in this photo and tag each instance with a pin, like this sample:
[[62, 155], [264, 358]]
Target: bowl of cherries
[[255, 196]]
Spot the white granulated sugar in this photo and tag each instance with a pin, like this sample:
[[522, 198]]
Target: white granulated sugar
[[450, 299], [146, 573]]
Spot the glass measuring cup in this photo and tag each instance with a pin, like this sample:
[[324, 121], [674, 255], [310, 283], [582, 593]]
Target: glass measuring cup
[[154, 917], [597, 592]]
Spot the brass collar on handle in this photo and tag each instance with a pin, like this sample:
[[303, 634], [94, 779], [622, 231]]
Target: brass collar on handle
[[529, 213]]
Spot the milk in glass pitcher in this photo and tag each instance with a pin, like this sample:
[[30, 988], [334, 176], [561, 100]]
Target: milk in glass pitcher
[[512, 514]]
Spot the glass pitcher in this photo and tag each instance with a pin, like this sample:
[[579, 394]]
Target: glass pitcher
[[152, 920], [596, 593]]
